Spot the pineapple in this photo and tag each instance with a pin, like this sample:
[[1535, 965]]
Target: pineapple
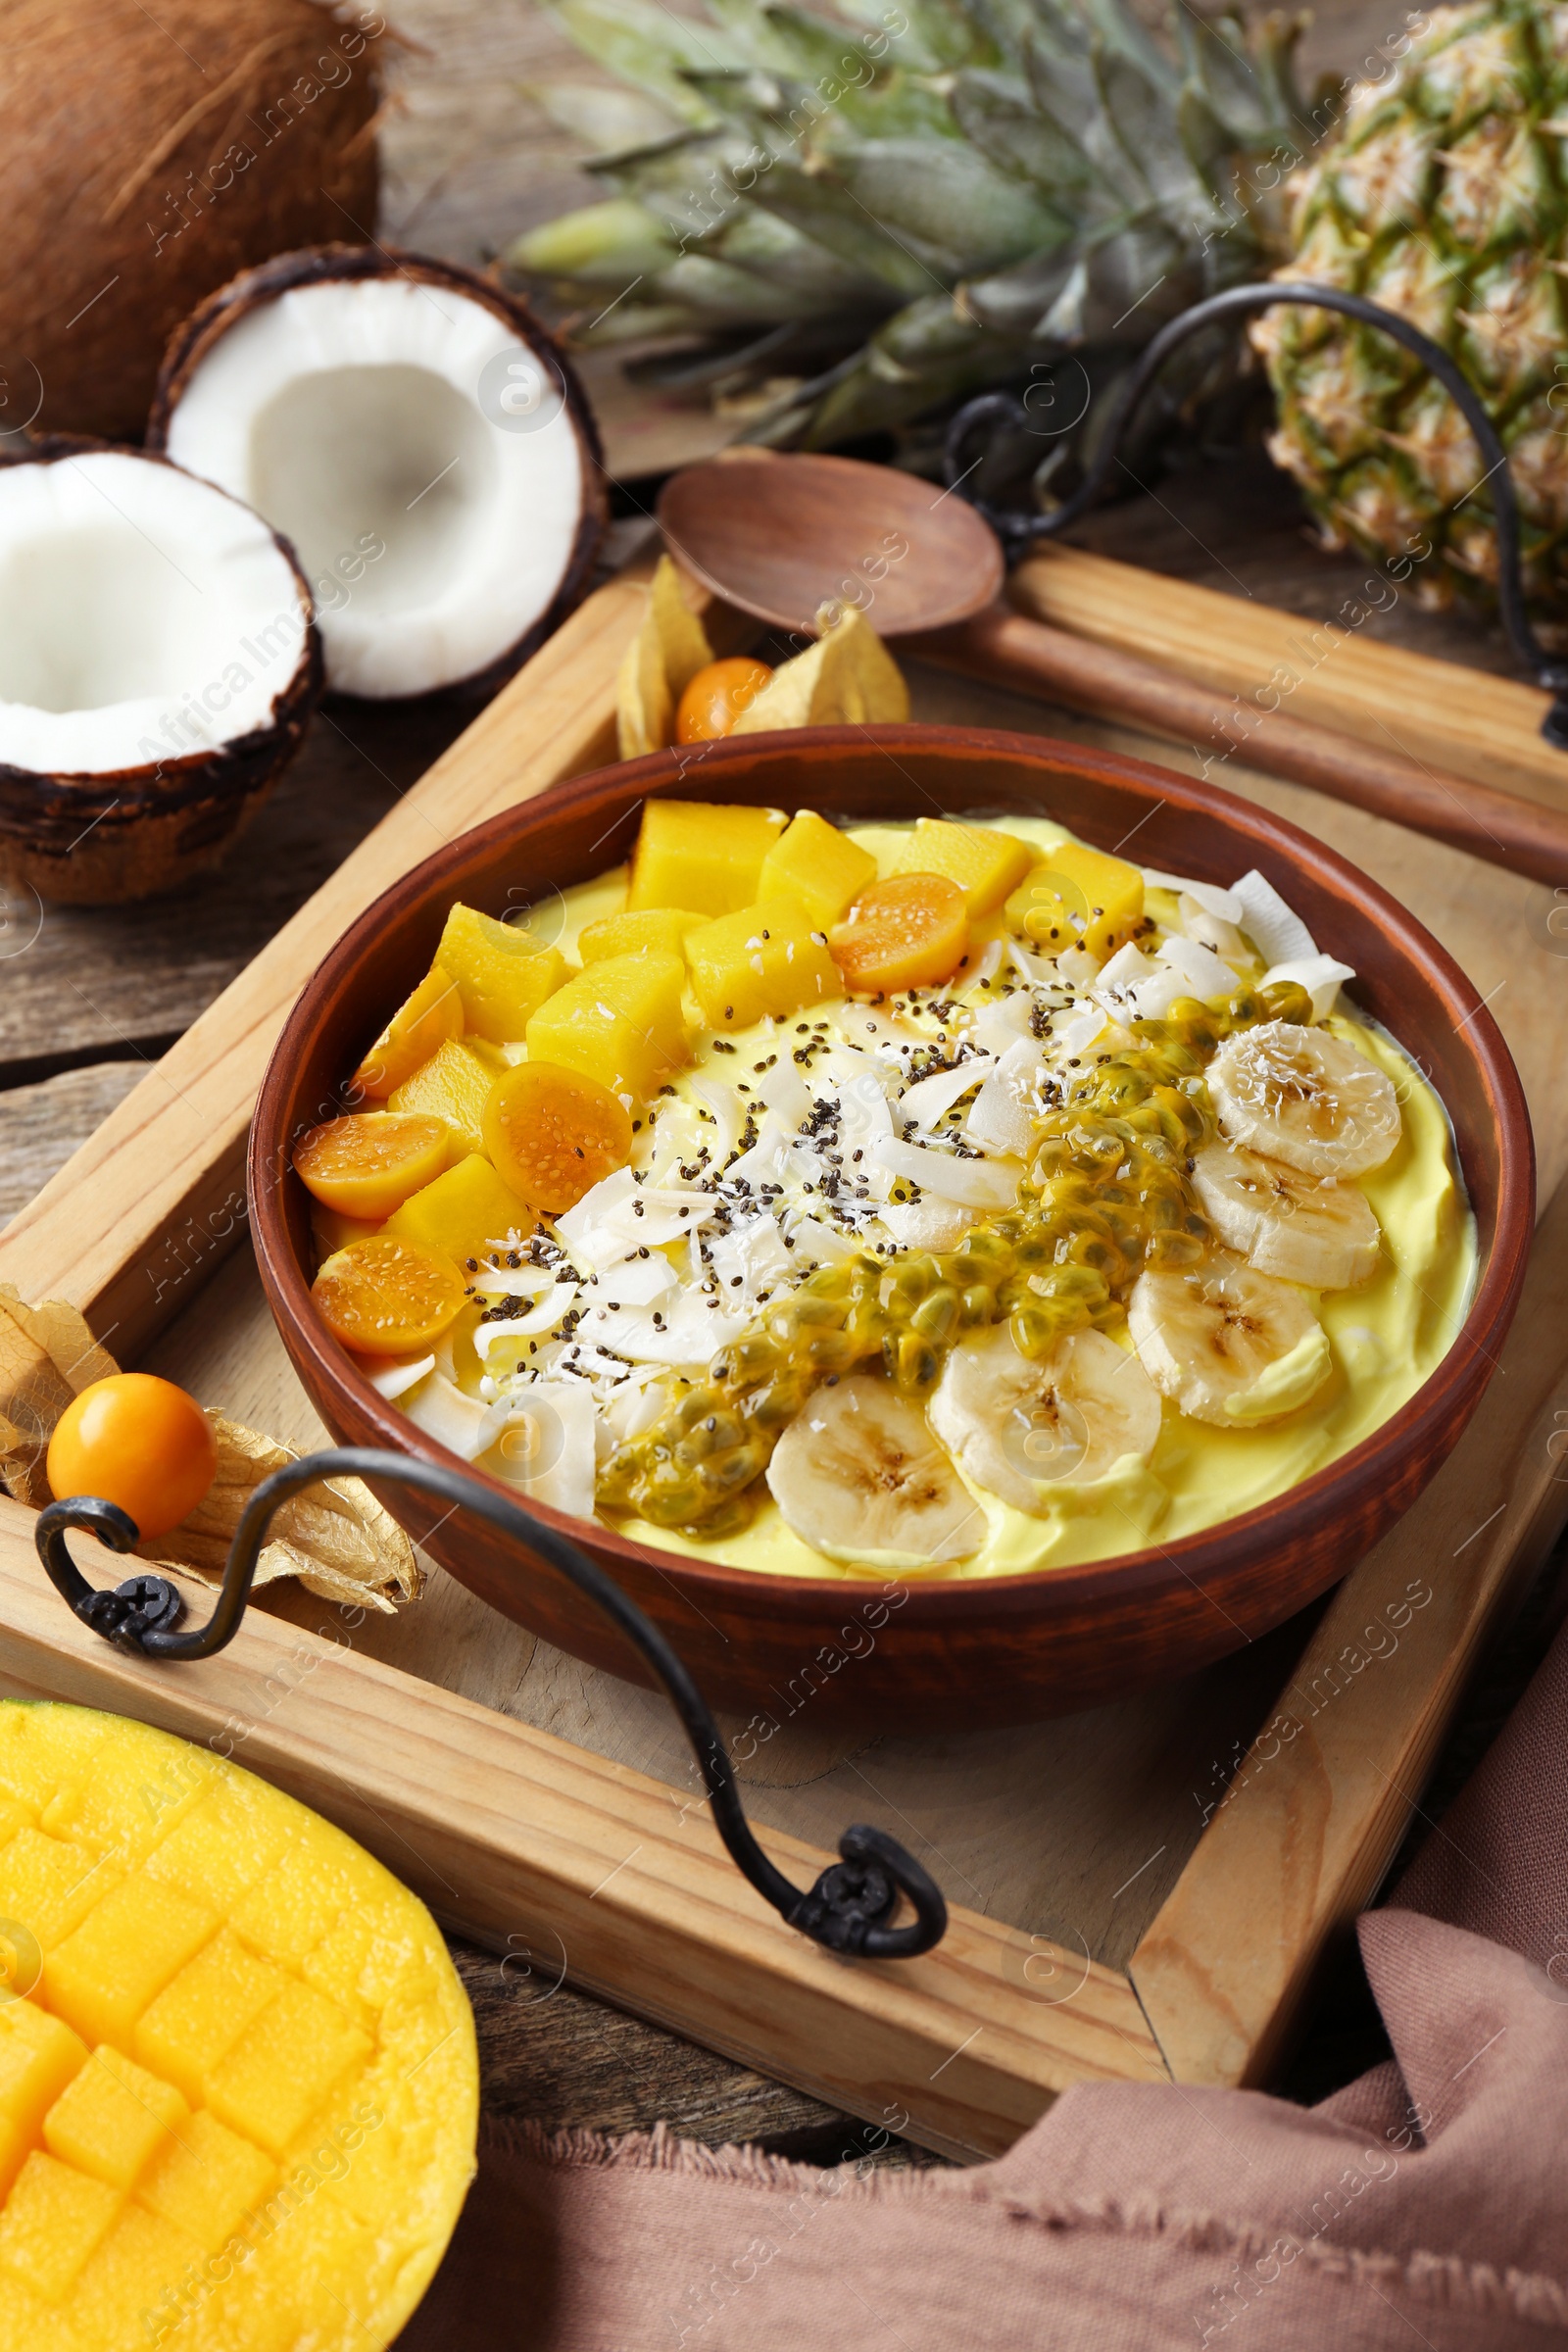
[[871, 223], [1444, 197]]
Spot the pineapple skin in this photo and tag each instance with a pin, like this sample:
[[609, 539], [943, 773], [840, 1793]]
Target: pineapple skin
[[1444, 196]]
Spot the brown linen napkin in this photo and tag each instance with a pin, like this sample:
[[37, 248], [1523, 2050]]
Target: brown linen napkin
[[1426, 2204]]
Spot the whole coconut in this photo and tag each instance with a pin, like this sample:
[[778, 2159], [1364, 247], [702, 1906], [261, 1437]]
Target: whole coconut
[[144, 159]]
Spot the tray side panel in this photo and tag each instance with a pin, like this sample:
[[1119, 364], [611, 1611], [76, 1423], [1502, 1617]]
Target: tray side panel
[[1316, 1809], [508, 1832]]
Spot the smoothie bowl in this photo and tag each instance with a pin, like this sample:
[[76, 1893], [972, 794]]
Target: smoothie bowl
[[961, 1226]]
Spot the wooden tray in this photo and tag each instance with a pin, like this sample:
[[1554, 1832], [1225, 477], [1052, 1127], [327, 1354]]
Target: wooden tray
[[1139, 1892]]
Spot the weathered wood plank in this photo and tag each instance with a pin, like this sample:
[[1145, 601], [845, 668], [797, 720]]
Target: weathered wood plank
[[42, 1125]]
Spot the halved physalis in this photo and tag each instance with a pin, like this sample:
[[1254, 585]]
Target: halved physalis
[[367, 1165], [238, 2089], [435, 1011], [909, 931], [137, 1441], [716, 698], [553, 1133], [386, 1295]]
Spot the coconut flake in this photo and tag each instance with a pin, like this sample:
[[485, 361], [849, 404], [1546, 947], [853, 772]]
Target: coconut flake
[[1206, 973], [1224, 904], [546, 1445], [977, 1182], [398, 1374], [928, 1098], [1276, 930]]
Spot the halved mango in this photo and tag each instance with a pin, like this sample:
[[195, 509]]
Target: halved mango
[[818, 867], [703, 858], [296, 2181], [764, 960], [985, 865], [503, 972]]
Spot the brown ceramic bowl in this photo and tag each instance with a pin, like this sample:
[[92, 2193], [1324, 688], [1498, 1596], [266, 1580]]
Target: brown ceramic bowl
[[950, 1655]]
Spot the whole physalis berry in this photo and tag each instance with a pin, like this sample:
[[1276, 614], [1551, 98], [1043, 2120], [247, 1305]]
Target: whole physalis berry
[[137, 1441], [716, 696]]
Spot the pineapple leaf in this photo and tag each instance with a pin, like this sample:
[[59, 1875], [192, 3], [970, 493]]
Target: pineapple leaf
[[647, 47], [1016, 302], [1142, 120], [603, 246], [812, 204], [995, 113], [947, 201], [609, 122], [1218, 65]]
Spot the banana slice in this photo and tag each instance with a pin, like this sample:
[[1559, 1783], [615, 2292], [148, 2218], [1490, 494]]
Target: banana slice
[[859, 1475], [1285, 1222], [1306, 1096], [1021, 1429], [1227, 1344]]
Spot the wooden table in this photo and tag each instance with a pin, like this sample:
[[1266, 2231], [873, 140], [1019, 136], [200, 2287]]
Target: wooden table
[[88, 998]]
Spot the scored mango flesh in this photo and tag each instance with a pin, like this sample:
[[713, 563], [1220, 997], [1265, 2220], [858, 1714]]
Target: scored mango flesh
[[238, 2087]]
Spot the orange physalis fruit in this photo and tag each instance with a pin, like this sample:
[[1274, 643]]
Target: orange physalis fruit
[[385, 1297], [716, 696], [553, 1133], [137, 1441], [425, 1020], [911, 931], [367, 1166]]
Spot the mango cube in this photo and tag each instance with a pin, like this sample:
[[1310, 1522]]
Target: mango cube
[[1078, 897], [38, 2056], [699, 857], [207, 2181], [433, 1012], [663, 929], [47, 1885], [53, 2219], [621, 1021], [283, 2066], [503, 972], [189, 2030], [764, 960], [463, 1211], [453, 1085], [125, 1952], [331, 1231], [112, 2119], [985, 865], [818, 867]]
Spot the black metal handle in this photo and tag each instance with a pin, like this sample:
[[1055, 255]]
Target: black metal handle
[[849, 1907], [1018, 532]]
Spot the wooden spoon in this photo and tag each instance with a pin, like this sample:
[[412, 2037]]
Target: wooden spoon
[[779, 536]]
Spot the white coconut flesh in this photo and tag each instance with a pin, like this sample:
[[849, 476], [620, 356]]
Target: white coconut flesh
[[435, 507], [144, 617]]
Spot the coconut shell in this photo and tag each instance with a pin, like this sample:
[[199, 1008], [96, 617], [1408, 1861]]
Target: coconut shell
[[222, 310], [126, 833], [145, 157]]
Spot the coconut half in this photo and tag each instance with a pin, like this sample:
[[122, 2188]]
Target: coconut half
[[419, 438], [158, 664]]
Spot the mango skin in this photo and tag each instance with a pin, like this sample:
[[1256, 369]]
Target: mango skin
[[297, 2177]]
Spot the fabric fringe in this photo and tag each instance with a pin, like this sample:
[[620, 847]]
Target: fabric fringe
[[1444, 2281]]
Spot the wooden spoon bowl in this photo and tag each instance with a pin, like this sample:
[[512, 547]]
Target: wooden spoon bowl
[[900, 1653], [778, 537]]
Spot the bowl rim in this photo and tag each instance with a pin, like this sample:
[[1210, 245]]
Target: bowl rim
[[1201, 1557]]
